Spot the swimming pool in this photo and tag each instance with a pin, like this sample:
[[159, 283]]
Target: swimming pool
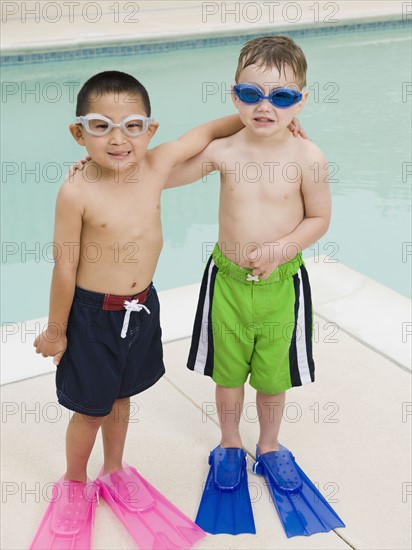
[[358, 113]]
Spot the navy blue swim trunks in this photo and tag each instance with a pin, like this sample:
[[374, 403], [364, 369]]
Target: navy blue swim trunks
[[112, 352]]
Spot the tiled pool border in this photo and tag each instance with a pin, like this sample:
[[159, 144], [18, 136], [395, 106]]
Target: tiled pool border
[[155, 45]]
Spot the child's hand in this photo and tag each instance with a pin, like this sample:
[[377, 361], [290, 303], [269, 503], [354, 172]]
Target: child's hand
[[263, 260], [51, 345], [79, 165], [297, 129]]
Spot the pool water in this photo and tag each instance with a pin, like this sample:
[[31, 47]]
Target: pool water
[[358, 113]]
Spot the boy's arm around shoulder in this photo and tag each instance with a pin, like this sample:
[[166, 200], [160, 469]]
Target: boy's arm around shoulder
[[66, 252], [194, 142], [196, 167]]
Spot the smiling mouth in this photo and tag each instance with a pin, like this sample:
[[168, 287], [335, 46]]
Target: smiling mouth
[[120, 154], [263, 119]]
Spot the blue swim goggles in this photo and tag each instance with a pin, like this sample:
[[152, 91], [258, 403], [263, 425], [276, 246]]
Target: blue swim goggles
[[281, 98]]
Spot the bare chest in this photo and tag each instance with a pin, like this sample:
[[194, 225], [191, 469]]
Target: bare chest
[[272, 181], [123, 216]]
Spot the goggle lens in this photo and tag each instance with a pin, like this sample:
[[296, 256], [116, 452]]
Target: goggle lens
[[284, 98], [136, 126], [249, 95], [97, 126]]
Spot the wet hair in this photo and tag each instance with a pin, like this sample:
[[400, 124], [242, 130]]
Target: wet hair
[[114, 82], [274, 51]]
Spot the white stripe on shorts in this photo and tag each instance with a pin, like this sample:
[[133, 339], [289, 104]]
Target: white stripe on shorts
[[301, 350], [203, 346]]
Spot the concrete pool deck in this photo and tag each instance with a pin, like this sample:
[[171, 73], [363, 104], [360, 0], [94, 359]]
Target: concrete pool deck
[[350, 431], [47, 26]]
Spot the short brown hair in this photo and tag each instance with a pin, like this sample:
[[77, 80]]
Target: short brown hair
[[274, 51]]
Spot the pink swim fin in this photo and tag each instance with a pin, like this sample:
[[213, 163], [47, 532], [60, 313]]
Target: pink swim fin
[[152, 520], [68, 521]]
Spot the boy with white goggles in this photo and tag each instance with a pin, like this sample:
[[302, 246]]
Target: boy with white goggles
[[104, 329]]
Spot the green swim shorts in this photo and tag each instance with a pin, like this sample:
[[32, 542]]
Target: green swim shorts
[[247, 325]]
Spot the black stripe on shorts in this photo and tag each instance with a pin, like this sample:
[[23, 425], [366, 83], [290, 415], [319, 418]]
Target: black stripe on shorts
[[199, 331]]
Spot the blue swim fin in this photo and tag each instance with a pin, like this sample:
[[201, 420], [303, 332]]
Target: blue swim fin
[[225, 506], [301, 507]]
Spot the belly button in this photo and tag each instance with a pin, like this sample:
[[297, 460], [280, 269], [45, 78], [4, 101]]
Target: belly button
[[133, 285]]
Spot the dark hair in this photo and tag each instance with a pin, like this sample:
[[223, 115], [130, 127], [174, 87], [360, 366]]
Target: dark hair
[[114, 82], [274, 51]]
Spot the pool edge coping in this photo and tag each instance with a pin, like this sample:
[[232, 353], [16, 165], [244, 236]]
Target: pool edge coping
[[166, 41]]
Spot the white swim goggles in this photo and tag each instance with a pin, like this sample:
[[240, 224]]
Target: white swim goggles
[[100, 125]]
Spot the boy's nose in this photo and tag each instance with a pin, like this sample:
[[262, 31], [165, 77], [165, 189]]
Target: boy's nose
[[117, 136], [265, 105], [264, 101]]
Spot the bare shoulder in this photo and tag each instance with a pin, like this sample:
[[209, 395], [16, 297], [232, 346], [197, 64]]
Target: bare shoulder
[[155, 157], [73, 190], [314, 167], [222, 143], [218, 149], [309, 152]]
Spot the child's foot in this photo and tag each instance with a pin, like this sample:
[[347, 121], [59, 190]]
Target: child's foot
[[79, 478], [110, 468], [227, 466], [235, 443], [267, 447]]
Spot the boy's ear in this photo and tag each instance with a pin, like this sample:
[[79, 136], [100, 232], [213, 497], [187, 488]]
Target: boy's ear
[[301, 104], [152, 129], [76, 131], [235, 99]]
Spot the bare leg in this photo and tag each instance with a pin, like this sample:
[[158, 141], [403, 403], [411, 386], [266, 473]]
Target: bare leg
[[229, 403], [270, 408], [80, 437], [114, 430]]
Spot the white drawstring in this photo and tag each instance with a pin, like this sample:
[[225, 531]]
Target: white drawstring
[[251, 277], [129, 307]]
